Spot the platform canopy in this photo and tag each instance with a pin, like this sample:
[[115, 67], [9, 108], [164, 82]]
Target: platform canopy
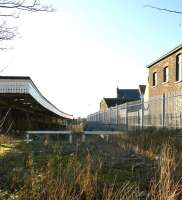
[[22, 94]]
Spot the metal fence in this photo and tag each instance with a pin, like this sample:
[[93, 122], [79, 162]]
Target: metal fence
[[160, 111]]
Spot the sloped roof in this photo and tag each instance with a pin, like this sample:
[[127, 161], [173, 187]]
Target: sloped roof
[[128, 94], [113, 101], [165, 55]]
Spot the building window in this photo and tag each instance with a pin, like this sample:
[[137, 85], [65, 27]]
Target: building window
[[154, 79], [178, 67], [165, 74]]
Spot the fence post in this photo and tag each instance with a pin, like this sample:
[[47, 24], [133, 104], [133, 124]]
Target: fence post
[[116, 116], [110, 116], [142, 114], [83, 137], [126, 117], [103, 116], [163, 110], [70, 138], [138, 117], [107, 138], [27, 138]]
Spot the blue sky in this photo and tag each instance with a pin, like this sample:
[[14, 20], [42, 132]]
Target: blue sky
[[127, 24], [83, 51]]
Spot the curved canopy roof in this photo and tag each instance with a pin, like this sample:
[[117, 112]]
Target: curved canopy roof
[[18, 86]]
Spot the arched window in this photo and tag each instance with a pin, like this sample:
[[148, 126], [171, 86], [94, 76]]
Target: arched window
[[178, 67]]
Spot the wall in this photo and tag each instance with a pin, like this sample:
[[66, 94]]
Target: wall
[[103, 105], [161, 87]]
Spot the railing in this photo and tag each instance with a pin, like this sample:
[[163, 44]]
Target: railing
[[161, 111]]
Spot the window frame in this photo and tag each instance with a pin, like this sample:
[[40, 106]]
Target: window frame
[[179, 68], [166, 74], [154, 79]]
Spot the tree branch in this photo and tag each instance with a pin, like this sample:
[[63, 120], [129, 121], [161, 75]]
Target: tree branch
[[22, 5], [12, 9], [7, 33], [163, 9]]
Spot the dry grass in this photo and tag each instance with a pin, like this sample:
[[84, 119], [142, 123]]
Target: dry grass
[[75, 179], [149, 142], [163, 187], [124, 193], [80, 181], [6, 139], [7, 143], [77, 128], [165, 148]]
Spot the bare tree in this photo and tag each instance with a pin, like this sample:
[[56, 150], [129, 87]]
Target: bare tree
[[12, 9]]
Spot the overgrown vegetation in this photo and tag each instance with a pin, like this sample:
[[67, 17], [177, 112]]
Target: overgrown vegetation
[[150, 141], [96, 170]]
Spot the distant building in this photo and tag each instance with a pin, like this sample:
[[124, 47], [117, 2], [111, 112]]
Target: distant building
[[123, 96], [110, 102]]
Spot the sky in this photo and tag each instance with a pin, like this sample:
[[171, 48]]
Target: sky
[[87, 48]]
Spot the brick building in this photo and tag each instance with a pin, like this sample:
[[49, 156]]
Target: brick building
[[165, 73], [165, 89]]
